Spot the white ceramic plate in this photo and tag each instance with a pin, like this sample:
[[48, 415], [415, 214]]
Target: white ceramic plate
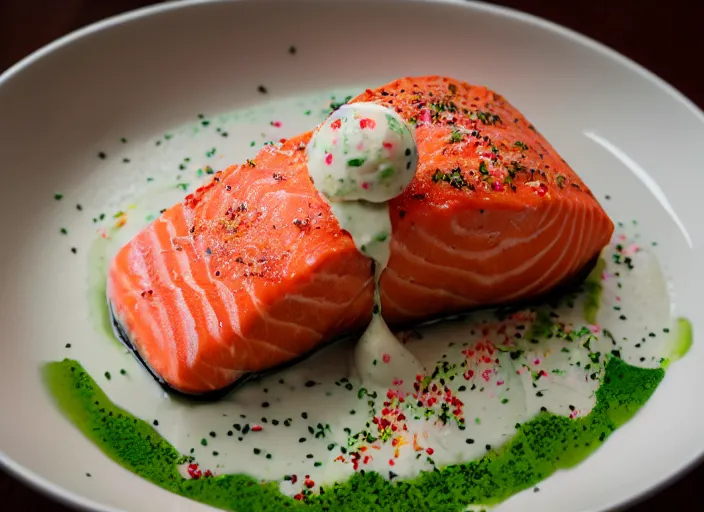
[[147, 73]]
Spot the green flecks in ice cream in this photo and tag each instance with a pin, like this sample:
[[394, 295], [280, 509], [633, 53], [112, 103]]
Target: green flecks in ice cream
[[540, 447]]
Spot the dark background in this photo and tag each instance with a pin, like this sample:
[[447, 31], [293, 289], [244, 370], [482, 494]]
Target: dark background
[[665, 37]]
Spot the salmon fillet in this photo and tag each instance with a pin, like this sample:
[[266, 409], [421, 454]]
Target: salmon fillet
[[253, 271]]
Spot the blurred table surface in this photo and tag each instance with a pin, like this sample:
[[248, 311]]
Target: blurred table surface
[[663, 37]]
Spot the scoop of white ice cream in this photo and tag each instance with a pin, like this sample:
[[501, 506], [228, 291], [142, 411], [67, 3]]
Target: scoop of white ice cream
[[363, 151]]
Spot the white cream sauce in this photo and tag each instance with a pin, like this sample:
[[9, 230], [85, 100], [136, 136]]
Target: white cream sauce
[[503, 368]]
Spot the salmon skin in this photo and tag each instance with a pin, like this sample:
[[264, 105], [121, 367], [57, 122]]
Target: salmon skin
[[252, 271]]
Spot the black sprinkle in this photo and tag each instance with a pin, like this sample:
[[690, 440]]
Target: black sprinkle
[[469, 441], [265, 404], [156, 423], [212, 434], [68, 345], [292, 50], [262, 89], [102, 155], [74, 250]]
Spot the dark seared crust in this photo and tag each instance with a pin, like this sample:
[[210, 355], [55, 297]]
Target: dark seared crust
[[571, 284]]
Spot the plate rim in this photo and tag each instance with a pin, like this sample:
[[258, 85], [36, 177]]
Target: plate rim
[[54, 491]]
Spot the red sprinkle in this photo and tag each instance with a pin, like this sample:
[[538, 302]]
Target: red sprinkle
[[388, 145], [367, 123], [336, 124], [391, 462], [429, 451], [386, 358], [276, 124], [328, 158], [298, 497], [256, 428], [309, 483], [194, 472]]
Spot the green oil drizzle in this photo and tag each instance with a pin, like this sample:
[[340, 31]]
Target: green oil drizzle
[[593, 289], [683, 339], [540, 447], [97, 281]]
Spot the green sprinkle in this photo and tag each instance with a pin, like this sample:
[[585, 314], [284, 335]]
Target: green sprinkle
[[58, 197], [394, 125], [355, 162], [387, 173]]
